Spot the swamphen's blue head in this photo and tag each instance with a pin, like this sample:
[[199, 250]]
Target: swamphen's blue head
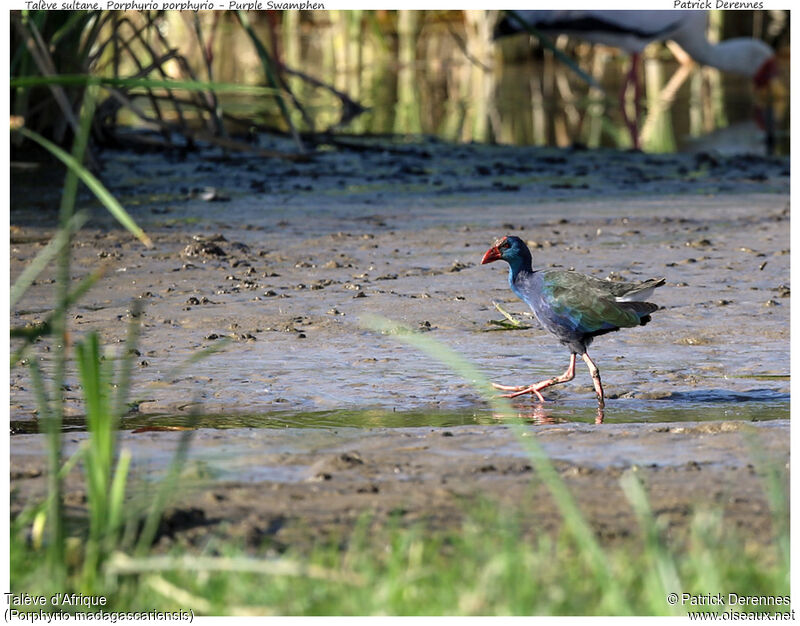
[[513, 251]]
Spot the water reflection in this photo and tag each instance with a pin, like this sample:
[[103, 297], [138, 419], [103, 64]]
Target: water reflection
[[448, 78], [702, 405], [539, 414]]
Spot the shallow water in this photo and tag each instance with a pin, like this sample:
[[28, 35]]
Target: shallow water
[[709, 405], [297, 486], [254, 451], [502, 91]]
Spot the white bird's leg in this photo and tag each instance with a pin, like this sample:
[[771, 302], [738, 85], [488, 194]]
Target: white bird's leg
[[536, 388], [598, 386], [637, 96], [632, 78]]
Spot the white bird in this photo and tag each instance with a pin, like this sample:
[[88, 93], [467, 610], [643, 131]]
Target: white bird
[[632, 31]]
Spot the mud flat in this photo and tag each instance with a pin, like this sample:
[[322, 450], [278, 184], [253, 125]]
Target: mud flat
[[285, 258], [300, 486]]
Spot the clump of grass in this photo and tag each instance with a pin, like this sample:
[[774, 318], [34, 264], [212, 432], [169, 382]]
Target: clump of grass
[[105, 483], [494, 564], [105, 395], [134, 55]]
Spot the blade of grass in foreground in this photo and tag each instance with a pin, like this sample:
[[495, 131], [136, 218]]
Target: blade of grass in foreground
[[776, 487], [90, 180], [124, 564], [95, 378], [32, 333], [56, 545], [35, 515], [46, 254], [181, 367], [663, 571], [613, 601], [159, 501]]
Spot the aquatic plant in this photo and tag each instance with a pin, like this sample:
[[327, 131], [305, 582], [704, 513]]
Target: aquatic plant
[[56, 54]]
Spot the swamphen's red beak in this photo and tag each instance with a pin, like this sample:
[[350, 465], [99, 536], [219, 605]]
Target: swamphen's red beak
[[492, 254]]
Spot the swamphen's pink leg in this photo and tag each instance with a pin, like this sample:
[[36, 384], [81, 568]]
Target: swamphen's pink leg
[[536, 388]]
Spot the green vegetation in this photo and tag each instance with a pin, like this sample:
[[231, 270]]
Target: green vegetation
[[488, 566], [493, 564], [134, 59], [335, 74]]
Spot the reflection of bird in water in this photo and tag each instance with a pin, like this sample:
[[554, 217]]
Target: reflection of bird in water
[[538, 414], [632, 31]]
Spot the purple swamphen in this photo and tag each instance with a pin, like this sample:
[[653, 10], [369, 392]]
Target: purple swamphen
[[574, 307]]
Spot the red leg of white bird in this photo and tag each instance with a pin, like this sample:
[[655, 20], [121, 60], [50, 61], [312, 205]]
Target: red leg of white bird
[[536, 388], [598, 386], [631, 78], [637, 95], [623, 101]]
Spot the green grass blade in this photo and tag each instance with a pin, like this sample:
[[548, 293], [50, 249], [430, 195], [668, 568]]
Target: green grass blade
[[776, 485], [176, 371], [27, 515], [91, 181], [165, 487], [54, 478], [89, 369], [32, 333], [56, 546], [667, 579], [123, 382], [46, 254], [443, 354], [116, 500], [548, 43], [124, 564], [40, 391], [82, 80], [576, 524], [88, 357]]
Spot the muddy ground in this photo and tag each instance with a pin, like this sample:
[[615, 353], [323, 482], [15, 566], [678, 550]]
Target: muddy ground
[[298, 487], [285, 259]]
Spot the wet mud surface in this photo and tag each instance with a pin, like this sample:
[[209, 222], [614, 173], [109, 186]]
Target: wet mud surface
[[298, 487], [284, 259]]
